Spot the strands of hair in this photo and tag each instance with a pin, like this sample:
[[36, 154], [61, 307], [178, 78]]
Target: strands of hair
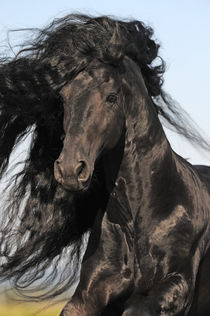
[[42, 224]]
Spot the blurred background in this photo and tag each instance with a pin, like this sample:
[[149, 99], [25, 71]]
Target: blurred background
[[182, 28]]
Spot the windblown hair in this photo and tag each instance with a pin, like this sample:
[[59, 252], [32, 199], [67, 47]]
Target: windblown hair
[[42, 223]]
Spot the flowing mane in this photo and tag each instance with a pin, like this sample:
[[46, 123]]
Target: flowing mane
[[43, 225]]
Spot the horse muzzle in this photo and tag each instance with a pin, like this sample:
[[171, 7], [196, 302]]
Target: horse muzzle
[[74, 176]]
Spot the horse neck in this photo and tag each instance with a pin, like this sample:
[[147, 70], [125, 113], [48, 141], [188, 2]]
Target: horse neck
[[145, 139], [146, 152]]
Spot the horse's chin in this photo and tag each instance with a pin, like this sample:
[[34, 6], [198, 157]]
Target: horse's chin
[[78, 188]]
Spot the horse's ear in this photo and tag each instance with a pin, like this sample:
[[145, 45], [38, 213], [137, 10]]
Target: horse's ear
[[114, 51]]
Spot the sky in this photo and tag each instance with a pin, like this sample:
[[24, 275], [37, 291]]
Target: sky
[[182, 28]]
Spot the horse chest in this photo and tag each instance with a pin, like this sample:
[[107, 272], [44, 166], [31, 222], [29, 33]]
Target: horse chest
[[162, 245]]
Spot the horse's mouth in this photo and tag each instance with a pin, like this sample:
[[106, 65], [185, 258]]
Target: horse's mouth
[[79, 187]]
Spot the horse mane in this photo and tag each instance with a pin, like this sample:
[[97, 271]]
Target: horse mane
[[41, 224]]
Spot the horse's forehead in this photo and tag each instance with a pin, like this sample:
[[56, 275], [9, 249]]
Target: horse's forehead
[[93, 76], [103, 72]]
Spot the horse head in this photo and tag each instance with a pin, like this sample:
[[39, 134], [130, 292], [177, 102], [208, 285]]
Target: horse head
[[93, 123]]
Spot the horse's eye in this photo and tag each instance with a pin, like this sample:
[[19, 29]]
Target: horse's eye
[[112, 98]]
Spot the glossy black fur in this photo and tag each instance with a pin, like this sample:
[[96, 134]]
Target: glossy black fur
[[89, 92]]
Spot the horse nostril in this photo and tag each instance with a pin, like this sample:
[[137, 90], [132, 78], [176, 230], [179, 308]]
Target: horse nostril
[[58, 173], [82, 171]]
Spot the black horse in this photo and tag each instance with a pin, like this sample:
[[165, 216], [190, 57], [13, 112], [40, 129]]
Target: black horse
[[89, 92]]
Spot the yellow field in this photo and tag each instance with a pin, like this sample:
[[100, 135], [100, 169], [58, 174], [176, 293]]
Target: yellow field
[[30, 309]]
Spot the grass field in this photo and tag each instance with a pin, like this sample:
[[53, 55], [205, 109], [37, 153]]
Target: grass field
[[29, 309]]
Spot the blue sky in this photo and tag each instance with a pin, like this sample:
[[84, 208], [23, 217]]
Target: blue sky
[[181, 26]]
